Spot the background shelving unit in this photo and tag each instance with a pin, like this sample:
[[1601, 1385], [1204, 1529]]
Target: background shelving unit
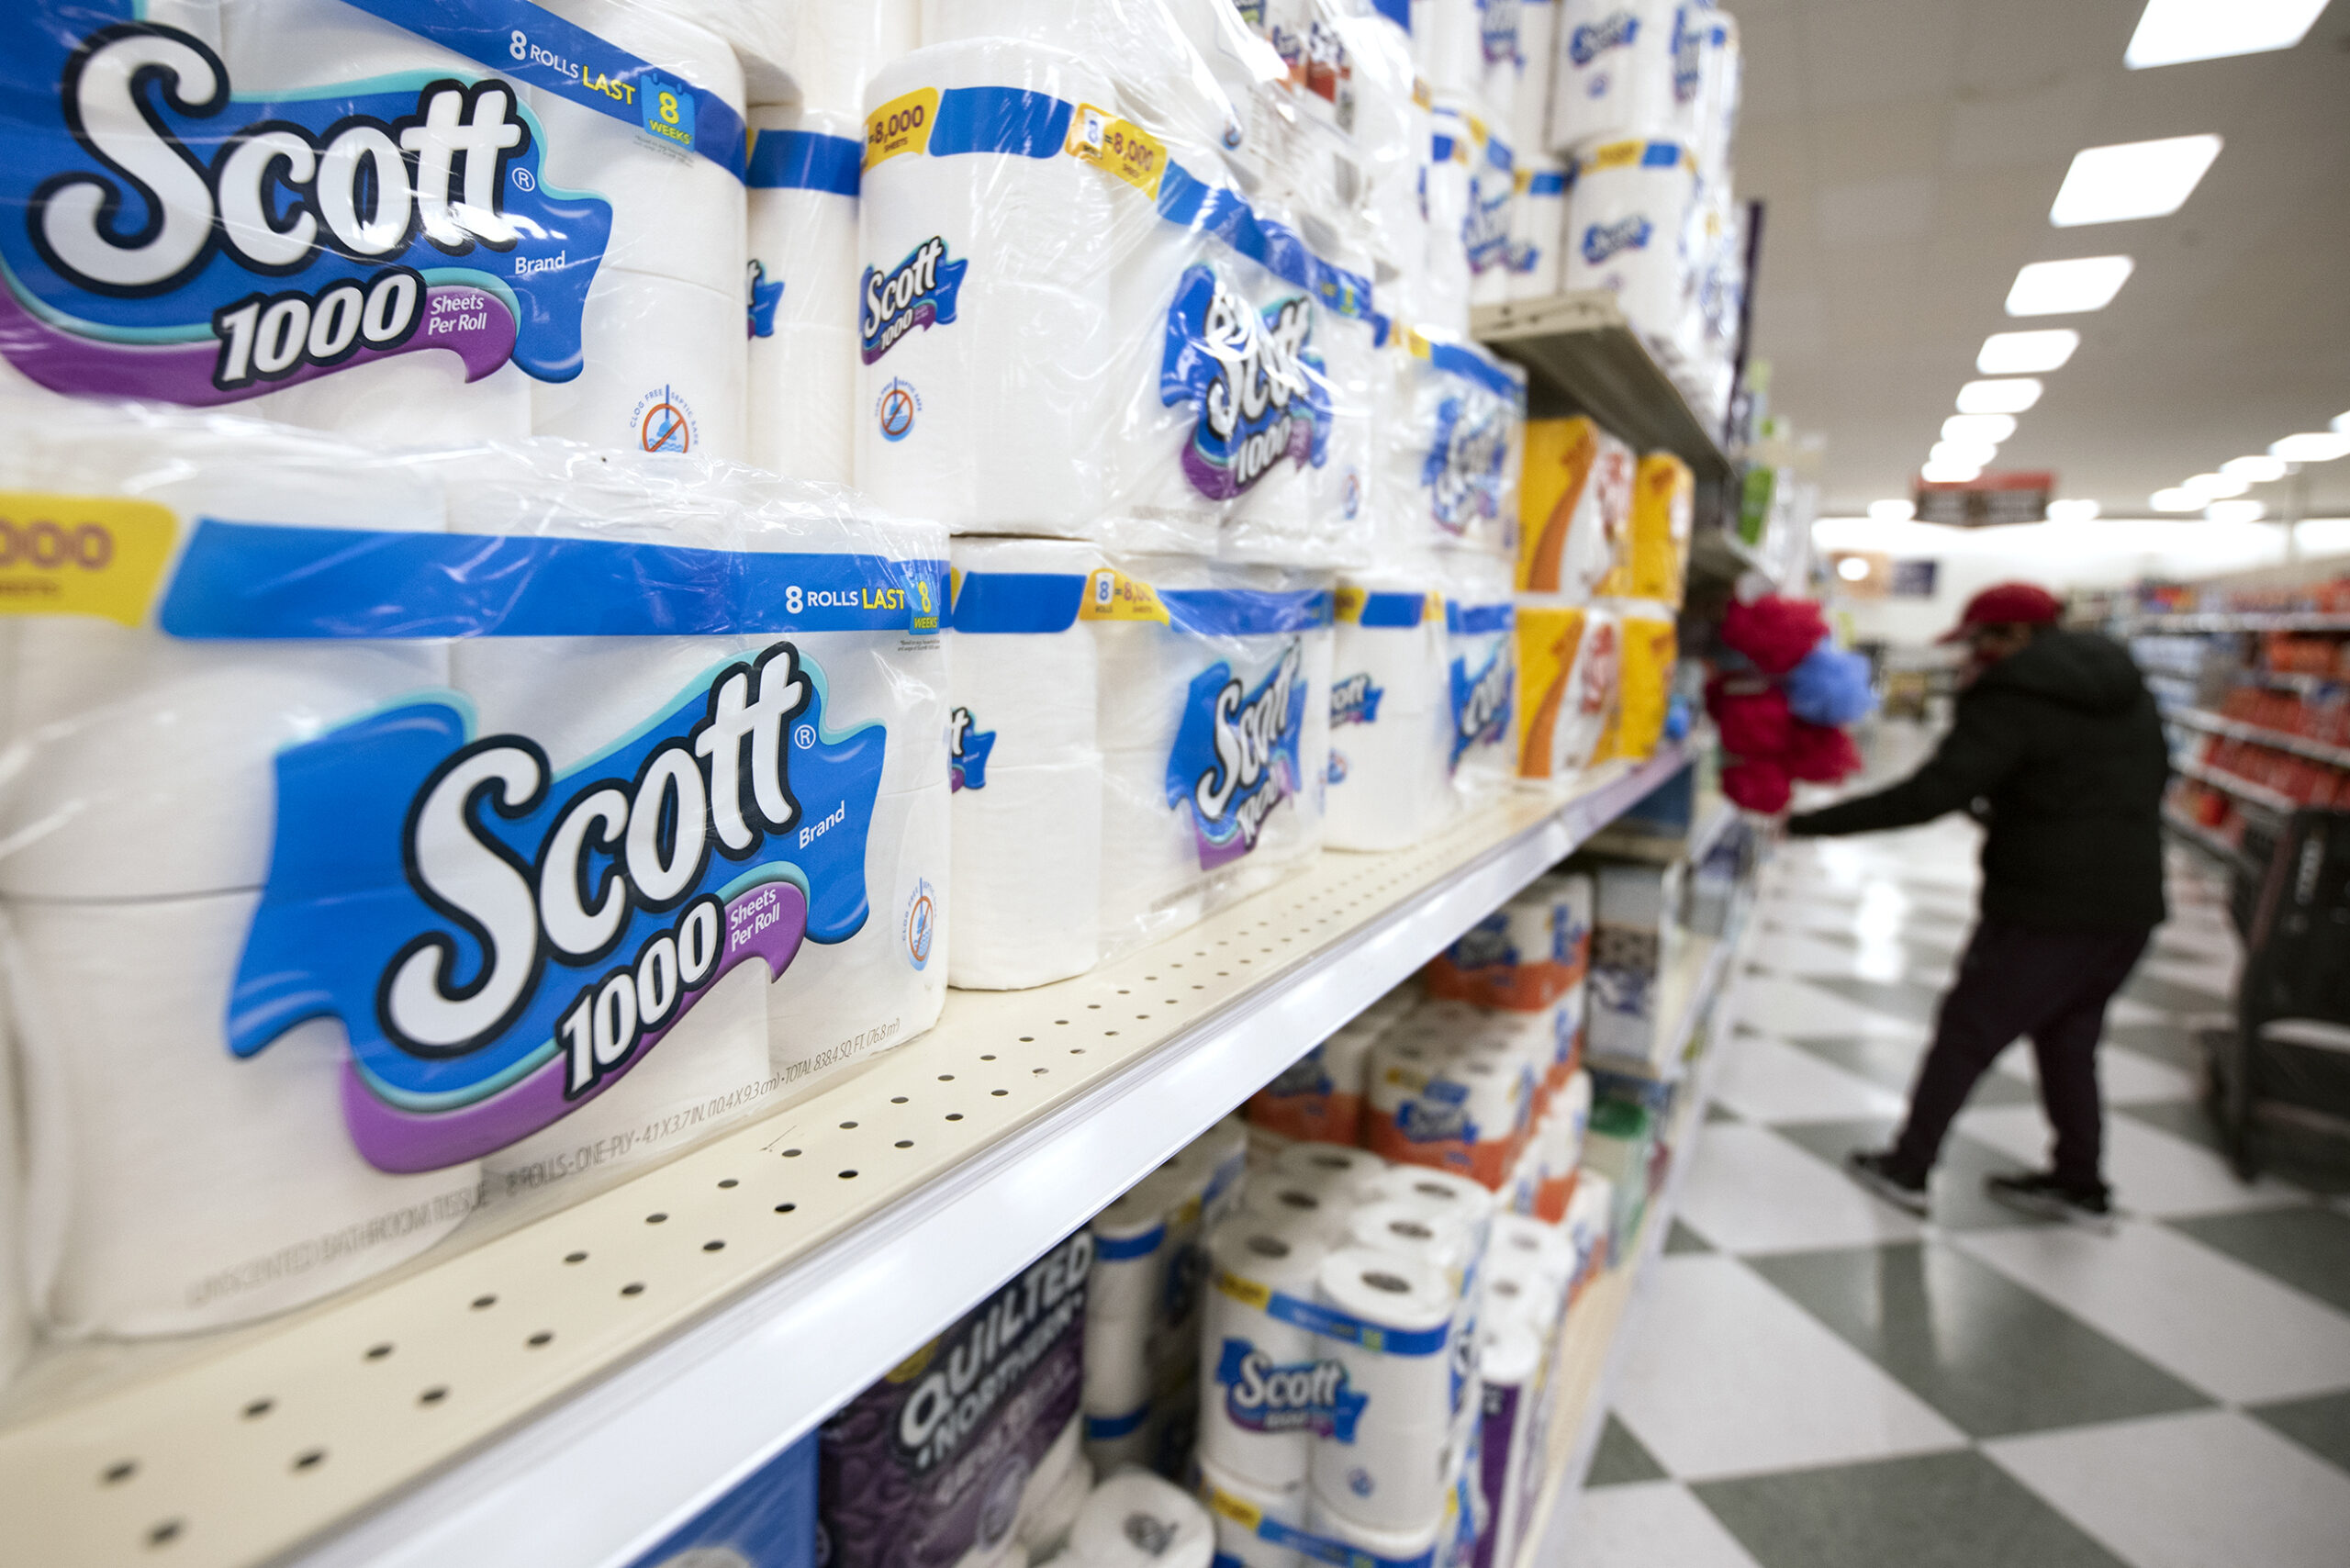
[[569, 1392]]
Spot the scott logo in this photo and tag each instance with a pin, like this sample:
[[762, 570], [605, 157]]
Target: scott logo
[[1592, 39], [502, 943], [1601, 241], [1481, 702], [1355, 700], [967, 752], [1265, 1396], [1259, 391], [1236, 757], [1462, 472], [918, 292]]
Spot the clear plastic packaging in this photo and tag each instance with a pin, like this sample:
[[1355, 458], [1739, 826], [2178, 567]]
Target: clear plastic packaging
[[456, 225], [385, 834], [1203, 754], [1450, 457]]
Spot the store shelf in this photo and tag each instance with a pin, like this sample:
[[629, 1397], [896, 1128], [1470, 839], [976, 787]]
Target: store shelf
[[2276, 740], [565, 1392], [2293, 680], [2200, 838], [1577, 349], [2242, 789], [2241, 621], [1588, 1360]]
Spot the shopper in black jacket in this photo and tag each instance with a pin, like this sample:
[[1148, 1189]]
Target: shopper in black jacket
[[2058, 750]]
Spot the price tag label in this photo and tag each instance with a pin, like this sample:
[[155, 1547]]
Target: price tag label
[[902, 125], [1125, 149], [96, 556], [1111, 595]]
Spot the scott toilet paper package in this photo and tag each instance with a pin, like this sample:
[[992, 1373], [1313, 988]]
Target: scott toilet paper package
[[1628, 230], [420, 223], [1202, 757], [804, 178], [1391, 718], [933, 1464], [1625, 68], [1480, 649], [486, 792], [1447, 478]]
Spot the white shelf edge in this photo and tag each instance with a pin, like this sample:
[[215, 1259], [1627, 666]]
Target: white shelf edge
[[2274, 740], [614, 1467]]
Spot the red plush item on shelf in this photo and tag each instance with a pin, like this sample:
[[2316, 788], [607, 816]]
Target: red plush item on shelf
[[1772, 632], [1819, 754], [1751, 714], [1757, 785]]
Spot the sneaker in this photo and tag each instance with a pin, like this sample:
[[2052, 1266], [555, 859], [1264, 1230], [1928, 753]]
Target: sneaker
[[2039, 1194], [1875, 1169]]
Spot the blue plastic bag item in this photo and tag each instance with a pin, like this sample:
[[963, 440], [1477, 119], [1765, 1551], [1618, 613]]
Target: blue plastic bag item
[[1829, 687]]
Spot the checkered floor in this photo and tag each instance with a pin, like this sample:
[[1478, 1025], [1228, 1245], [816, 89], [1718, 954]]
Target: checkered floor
[[1817, 1380]]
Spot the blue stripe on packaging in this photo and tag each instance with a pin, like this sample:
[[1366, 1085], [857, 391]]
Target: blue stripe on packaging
[[1320, 1319], [1000, 119], [1224, 214], [1102, 1429], [532, 45], [1028, 602], [1478, 620], [1393, 610], [1248, 612], [1459, 359], [243, 580], [1396, 11], [1546, 182], [1661, 155], [1111, 1250], [805, 161]]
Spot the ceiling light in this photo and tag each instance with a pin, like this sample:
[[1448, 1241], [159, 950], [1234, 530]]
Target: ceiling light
[[2006, 354], [2212, 487], [2060, 288], [2172, 32], [1962, 453], [1892, 512], [2255, 470], [2176, 499], [1950, 473], [1979, 426], [1852, 570], [2342, 423], [2131, 179], [2002, 397], [2235, 511], [2311, 446], [2072, 512]]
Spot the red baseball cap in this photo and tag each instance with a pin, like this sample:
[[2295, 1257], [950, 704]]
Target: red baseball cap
[[2003, 603]]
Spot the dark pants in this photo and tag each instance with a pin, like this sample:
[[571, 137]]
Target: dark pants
[[2023, 980]]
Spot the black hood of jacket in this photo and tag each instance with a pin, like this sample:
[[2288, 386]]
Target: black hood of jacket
[[2079, 669]]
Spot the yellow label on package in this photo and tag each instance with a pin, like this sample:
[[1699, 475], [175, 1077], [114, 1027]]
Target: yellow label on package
[[1349, 603], [902, 125], [96, 556], [1248, 1293], [1111, 595], [1125, 149], [1244, 1513]]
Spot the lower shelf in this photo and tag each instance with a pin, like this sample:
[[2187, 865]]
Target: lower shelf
[[565, 1391]]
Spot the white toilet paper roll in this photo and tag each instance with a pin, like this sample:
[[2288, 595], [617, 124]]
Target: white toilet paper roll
[[1300, 1206], [975, 260], [1241, 1508], [713, 1064], [1538, 42], [1447, 278], [1493, 196], [1152, 499], [803, 181], [1131, 1256], [148, 770], [1391, 1475], [1350, 1170], [1411, 1545], [664, 372], [175, 1187], [840, 1002], [1720, 89], [1258, 1384], [1444, 1241], [1027, 851], [843, 42], [1036, 692], [676, 214], [414, 399], [1441, 1191], [1134, 1519], [764, 36], [1151, 880], [1448, 45], [1537, 229], [1214, 1167], [1624, 68], [1629, 229], [1390, 787], [1044, 1527]]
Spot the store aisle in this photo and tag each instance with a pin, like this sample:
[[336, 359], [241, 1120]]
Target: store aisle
[[1817, 1380]]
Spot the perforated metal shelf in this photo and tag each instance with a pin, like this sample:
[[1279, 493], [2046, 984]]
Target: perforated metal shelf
[[566, 1392]]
